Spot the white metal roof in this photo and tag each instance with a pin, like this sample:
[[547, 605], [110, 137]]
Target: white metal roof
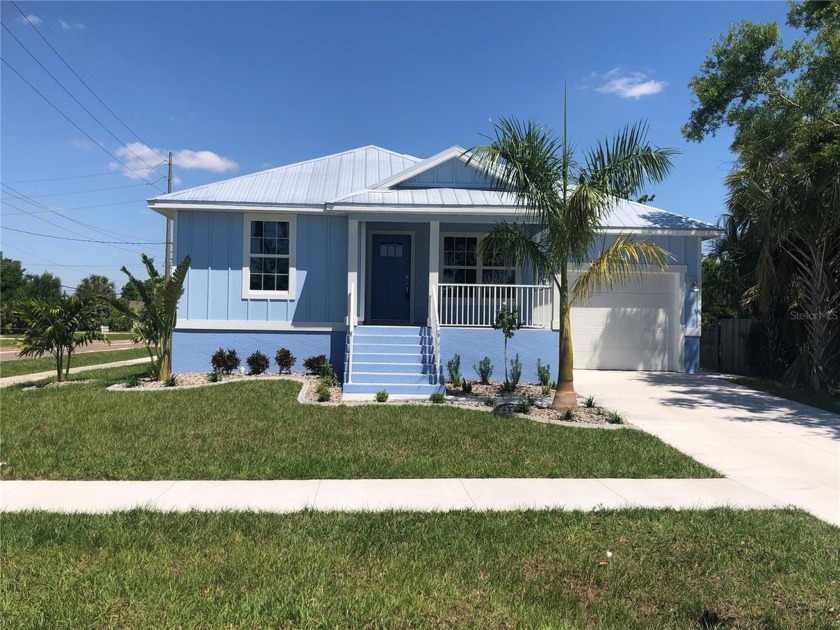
[[368, 178], [306, 183]]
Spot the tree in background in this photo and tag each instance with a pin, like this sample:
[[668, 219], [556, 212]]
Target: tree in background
[[782, 246], [564, 200], [155, 321], [102, 291], [57, 326], [16, 286]]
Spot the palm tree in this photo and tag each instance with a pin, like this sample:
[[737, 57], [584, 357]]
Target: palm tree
[[155, 321], [57, 327], [563, 203]]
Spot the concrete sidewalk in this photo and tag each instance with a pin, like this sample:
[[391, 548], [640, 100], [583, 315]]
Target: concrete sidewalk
[[37, 376], [379, 494]]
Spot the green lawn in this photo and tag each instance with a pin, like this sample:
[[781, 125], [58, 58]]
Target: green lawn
[[797, 394], [7, 341], [688, 569], [46, 363], [257, 430]]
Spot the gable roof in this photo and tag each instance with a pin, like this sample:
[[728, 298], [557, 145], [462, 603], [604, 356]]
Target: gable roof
[[312, 182]]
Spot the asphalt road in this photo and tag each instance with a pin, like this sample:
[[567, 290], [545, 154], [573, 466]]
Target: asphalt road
[[10, 354]]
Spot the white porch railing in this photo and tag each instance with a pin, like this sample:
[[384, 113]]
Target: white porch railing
[[477, 304], [352, 322], [434, 328]]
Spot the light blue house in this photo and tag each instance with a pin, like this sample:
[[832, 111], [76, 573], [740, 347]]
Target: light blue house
[[369, 257]]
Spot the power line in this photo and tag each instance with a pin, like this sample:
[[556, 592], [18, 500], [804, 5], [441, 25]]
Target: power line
[[37, 30], [87, 135], [51, 211], [58, 179], [19, 195], [83, 192], [84, 240], [70, 94]]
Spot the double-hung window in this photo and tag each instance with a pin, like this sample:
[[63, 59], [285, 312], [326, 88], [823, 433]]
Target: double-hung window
[[268, 269], [463, 265]]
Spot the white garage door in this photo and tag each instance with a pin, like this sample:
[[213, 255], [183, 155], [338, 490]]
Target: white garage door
[[631, 327]]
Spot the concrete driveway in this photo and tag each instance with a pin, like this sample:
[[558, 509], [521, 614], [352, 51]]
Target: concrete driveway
[[788, 451]]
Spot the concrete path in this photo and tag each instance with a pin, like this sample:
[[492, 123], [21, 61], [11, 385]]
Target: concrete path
[[783, 449], [379, 494], [37, 376]]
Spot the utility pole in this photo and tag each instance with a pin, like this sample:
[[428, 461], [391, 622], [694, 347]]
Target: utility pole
[[168, 257]]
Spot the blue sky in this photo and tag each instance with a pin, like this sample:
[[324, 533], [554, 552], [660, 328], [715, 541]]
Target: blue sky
[[235, 88]]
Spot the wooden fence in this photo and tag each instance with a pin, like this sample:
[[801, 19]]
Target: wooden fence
[[723, 346]]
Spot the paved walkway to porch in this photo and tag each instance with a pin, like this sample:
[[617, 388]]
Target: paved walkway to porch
[[379, 494]]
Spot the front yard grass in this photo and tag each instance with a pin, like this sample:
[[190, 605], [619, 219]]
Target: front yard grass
[[257, 430], [47, 363], [820, 400], [717, 569]]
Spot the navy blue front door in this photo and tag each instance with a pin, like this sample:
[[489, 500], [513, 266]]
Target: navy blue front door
[[390, 277]]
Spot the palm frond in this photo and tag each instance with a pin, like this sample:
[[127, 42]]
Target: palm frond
[[621, 261], [518, 245]]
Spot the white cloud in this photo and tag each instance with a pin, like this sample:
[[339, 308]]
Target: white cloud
[[633, 85], [84, 144], [32, 19], [138, 157], [67, 26]]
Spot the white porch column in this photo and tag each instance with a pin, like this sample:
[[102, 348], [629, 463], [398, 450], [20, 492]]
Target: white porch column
[[352, 264], [361, 288], [434, 256]]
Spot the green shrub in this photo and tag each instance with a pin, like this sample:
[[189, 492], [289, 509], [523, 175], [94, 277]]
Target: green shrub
[[453, 366], [543, 373], [225, 362], [327, 373], [489, 401], [515, 371], [466, 386], [381, 396], [613, 417], [589, 403], [213, 377], [568, 415], [285, 360], [437, 397], [323, 391], [484, 369], [132, 381], [545, 390], [314, 364], [170, 382], [258, 363]]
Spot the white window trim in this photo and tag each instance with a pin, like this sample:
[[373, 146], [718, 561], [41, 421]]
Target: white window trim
[[247, 292], [479, 265]]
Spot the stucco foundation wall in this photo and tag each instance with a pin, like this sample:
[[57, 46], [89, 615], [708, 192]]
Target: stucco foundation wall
[[192, 349], [473, 344]]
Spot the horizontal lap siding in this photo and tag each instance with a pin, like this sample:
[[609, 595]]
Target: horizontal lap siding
[[213, 290]]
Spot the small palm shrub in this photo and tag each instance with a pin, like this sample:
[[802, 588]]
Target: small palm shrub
[[225, 362], [258, 363], [437, 397], [466, 386], [285, 360], [543, 373], [170, 382], [381, 396], [589, 403], [453, 366], [613, 417], [524, 405], [568, 415], [314, 364], [484, 369], [132, 381], [489, 401]]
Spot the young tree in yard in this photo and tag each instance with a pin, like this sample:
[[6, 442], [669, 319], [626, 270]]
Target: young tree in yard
[[563, 202], [155, 321], [784, 191], [507, 321], [57, 327]]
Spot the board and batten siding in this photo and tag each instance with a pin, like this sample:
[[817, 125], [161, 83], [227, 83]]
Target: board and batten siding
[[213, 289]]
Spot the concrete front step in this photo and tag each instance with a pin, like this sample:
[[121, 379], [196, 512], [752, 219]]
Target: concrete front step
[[351, 390], [414, 331], [393, 368], [390, 357], [389, 377]]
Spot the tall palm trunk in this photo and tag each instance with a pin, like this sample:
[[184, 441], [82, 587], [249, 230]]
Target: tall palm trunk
[[564, 394]]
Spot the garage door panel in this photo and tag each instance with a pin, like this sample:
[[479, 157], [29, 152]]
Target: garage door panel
[[628, 329]]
